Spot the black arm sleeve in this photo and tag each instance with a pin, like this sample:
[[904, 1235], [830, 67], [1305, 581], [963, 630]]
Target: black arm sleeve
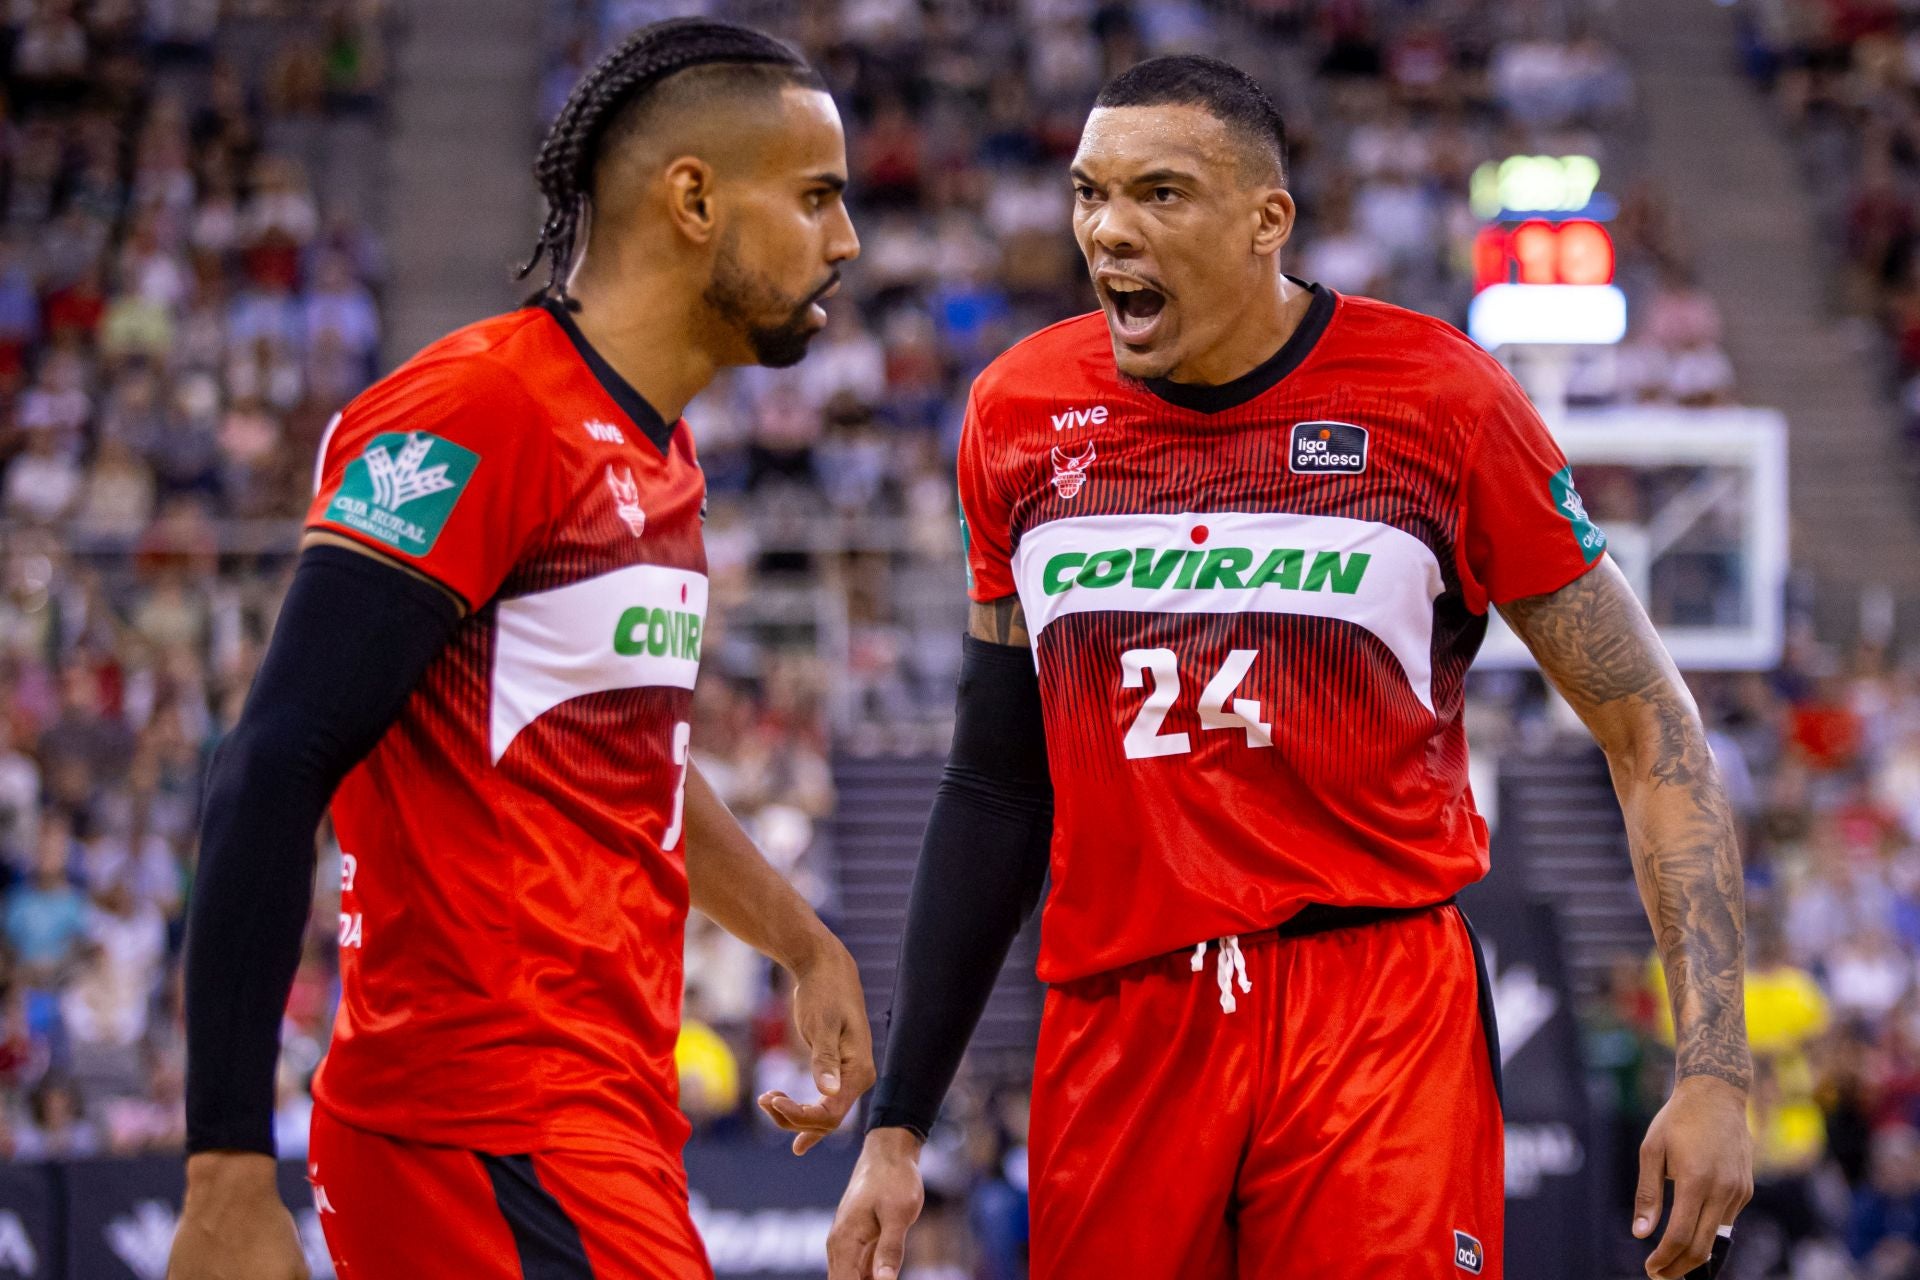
[[354, 636], [982, 863]]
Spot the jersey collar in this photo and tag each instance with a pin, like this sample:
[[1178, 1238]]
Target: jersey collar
[[1213, 398], [631, 402]]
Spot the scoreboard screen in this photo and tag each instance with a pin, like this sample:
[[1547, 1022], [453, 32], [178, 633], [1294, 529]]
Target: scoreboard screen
[[1540, 252], [1543, 263]]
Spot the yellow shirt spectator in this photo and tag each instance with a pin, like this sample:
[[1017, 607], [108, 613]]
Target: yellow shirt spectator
[[1785, 1007], [1785, 1010], [709, 1076]]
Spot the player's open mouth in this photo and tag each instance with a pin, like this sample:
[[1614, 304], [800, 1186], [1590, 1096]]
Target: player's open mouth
[[1135, 307], [816, 312]]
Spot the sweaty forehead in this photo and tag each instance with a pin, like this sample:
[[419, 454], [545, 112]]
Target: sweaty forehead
[[1120, 142]]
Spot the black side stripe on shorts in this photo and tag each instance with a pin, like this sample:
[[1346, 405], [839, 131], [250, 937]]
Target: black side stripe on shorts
[[547, 1241], [1488, 1026]]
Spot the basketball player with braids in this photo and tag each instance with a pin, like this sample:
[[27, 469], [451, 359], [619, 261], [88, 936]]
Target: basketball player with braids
[[485, 665]]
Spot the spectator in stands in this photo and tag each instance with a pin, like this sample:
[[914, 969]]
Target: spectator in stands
[[154, 1121], [1341, 256], [19, 803], [116, 502], [1869, 973], [108, 1003], [340, 308], [709, 1074], [57, 1126], [1884, 1228], [46, 919], [50, 57], [43, 483]]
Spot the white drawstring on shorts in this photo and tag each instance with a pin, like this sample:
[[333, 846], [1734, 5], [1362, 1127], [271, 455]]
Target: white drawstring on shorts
[[1228, 965]]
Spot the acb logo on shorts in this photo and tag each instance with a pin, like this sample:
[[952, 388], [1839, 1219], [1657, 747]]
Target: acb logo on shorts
[[1467, 1253]]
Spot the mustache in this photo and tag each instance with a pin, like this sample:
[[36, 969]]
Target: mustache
[[1152, 282]]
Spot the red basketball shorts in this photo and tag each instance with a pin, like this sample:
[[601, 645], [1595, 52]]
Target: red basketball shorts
[[395, 1210], [1342, 1122]]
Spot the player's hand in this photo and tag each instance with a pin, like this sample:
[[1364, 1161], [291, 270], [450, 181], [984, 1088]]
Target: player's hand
[[883, 1198], [1699, 1141], [234, 1226], [830, 1010]]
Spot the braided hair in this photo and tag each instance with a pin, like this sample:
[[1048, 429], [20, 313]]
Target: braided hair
[[569, 155]]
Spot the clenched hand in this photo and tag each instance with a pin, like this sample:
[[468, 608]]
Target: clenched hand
[[234, 1226]]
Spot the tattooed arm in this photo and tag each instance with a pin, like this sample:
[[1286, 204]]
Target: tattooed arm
[[1595, 643], [1000, 621]]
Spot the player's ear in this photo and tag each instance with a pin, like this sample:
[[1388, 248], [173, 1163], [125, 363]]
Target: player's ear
[[690, 203], [1273, 221]]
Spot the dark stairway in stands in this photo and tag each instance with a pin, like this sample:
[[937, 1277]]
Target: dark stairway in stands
[[1560, 820], [875, 833]]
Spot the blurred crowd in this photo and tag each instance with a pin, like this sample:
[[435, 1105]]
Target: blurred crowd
[[190, 286], [182, 308], [1845, 75]]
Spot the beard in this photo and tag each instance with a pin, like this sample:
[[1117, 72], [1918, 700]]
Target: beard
[[743, 300]]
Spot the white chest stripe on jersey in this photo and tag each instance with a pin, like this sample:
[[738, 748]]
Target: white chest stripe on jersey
[[1373, 575], [633, 627]]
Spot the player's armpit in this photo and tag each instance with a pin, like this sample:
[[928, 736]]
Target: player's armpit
[[1595, 642], [1597, 645], [1001, 621], [321, 538]]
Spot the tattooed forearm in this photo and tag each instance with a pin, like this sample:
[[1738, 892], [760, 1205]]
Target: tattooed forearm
[[1595, 643], [1000, 621]]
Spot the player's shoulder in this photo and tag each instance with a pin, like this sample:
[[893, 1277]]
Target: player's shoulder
[[1439, 355], [1068, 359], [474, 363], [470, 382]]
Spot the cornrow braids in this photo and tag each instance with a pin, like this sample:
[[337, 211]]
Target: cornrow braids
[[565, 166]]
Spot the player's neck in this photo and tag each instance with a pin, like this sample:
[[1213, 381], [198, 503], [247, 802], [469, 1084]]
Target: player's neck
[[646, 345], [1266, 324]]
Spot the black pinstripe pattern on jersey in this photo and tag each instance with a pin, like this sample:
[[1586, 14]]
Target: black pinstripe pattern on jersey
[[1345, 717]]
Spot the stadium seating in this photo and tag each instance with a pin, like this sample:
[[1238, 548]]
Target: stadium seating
[[191, 284], [183, 311]]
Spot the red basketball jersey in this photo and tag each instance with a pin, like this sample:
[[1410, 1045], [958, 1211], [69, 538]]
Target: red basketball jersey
[[514, 885], [1253, 609]]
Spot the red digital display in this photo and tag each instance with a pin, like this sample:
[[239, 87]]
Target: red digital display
[[1542, 252]]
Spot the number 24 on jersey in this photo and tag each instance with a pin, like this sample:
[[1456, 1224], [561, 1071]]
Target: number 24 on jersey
[[1219, 708]]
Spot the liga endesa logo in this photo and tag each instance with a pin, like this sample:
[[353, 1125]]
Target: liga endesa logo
[[1327, 448]]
